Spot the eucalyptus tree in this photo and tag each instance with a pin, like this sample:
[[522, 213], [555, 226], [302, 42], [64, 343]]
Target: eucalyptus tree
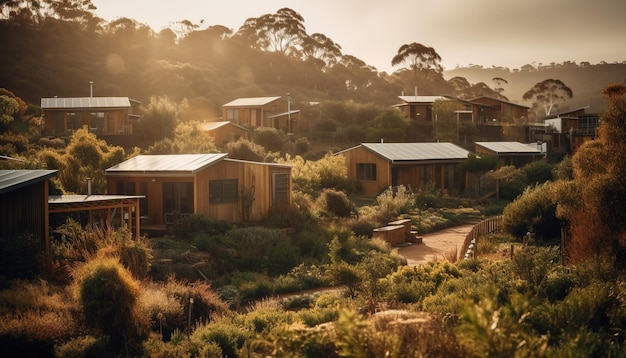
[[282, 32], [319, 47], [422, 62], [547, 94]]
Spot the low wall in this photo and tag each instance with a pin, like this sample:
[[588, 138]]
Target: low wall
[[392, 234]]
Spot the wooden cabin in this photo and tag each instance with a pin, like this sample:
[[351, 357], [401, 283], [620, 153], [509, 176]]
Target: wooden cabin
[[489, 110], [511, 153], [376, 166], [104, 116], [209, 184], [24, 204], [224, 132], [274, 112], [419, 108]]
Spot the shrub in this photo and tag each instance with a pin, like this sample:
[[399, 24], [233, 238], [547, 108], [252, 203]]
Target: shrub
[[229, 337], [271, 139], [108, 296], [363, 228], [533, 211], [335, 203], [19, 256], [245, 150], [395, 201], [193, 224]]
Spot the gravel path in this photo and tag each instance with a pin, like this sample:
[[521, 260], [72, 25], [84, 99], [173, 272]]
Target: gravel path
[[435, 245]]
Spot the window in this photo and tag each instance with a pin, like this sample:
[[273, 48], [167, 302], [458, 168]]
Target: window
[[280, 188], [366, 171], [223, 191], [97, 122], [232, 114]]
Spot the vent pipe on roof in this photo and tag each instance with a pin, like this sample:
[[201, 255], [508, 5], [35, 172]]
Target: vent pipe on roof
[[416, 92], [88, 186], [90, 88]]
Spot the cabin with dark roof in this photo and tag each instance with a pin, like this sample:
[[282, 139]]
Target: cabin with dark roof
[[376, 166], [24, 204], [209, 184], [104, 116]]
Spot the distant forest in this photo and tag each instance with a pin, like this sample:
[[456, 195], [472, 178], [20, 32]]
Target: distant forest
[[57, 49]]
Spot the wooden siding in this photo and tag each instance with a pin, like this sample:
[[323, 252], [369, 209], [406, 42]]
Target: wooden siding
[[264, 116], [115, 122], [254, 178], [493, 108], [25, 211], [226, 134], [443, 174]]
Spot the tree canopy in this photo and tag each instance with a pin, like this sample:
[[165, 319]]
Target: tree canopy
[[547, 94]]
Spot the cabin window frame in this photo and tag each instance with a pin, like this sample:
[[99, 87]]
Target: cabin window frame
[[223, 191], [366, 171]]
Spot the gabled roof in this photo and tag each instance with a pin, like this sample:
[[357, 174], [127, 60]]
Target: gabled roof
[[170, 164], [509, 147], [209, 126], [251, 102], [410, 152], [422, 99], [16, 179], [85, 102]]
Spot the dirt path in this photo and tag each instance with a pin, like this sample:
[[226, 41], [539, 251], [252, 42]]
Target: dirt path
[[435, 245]]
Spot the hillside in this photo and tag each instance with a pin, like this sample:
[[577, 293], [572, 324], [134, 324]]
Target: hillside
[[586, 81]]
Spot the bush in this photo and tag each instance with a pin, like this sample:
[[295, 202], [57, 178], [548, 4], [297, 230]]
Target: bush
[[394, 201], [533, 211], [108, 296], [335, 203], [19, 257], [229, 337], [193, 224], [269, 138]]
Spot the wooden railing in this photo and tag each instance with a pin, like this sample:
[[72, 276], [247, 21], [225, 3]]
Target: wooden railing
[[487, 226]]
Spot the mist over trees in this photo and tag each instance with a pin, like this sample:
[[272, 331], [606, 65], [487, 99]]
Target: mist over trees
[[57, 48]]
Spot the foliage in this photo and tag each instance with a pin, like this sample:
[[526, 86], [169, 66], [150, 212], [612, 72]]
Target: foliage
[[269, 138], [393, 202], [19, 257], [188, 139], [108, 296], [312, 176], [389, 126], [158, 121], [592, 202], [333, 203], [534, 211], [193, 224], [245, 150], [547, 95]]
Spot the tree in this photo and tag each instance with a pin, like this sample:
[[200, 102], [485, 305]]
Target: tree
[[158, 121], [547, 94], [318, 46], [499, 81], [282, 32], [389, 126], [421, 61], [8, 107], [592, 202]]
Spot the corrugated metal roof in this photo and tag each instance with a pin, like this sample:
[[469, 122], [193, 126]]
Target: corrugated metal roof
[[170, 163], [417, 151], [85, 102], [508, 147], [248, 102], [83, 199], [209, 126], [422, 99], [15, 179]]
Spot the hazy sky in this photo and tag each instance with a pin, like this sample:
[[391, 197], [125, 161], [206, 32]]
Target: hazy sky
[[509, 33]]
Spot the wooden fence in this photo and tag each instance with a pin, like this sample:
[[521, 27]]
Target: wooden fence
[[485, 227]]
